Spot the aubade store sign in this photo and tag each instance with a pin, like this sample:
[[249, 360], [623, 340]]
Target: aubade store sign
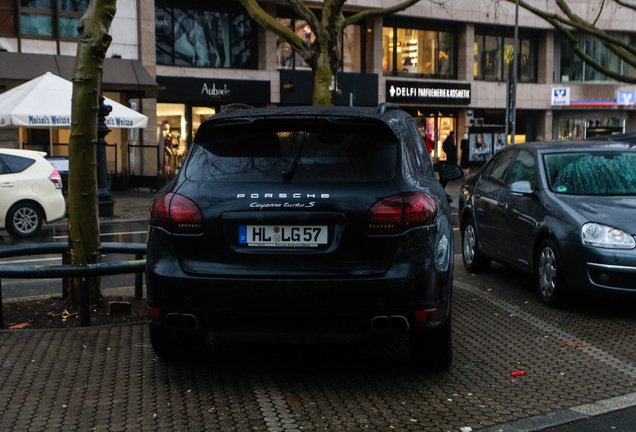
[[428, 92], [213, 90]]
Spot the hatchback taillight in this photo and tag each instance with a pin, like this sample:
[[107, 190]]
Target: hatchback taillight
[[399, 213], [176, 214], [56, 178]]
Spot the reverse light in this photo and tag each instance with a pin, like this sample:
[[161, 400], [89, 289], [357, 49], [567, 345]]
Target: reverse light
[[399, 213], [176, 214], [599, 235], [56, 178]]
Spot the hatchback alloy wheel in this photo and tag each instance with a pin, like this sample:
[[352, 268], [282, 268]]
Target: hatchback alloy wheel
[[24, 220]]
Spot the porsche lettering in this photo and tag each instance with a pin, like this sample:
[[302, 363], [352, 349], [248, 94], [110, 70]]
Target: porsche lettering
[[283, 195]]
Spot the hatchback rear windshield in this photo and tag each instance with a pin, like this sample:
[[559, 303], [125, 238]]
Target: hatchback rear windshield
[[592, 173], [325, 152]]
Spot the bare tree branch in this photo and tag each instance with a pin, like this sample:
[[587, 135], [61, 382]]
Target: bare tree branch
[[625, 4], [571, 21], [305, 13], [360, 16]]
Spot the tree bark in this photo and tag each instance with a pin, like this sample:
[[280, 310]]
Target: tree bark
[[83, 215]]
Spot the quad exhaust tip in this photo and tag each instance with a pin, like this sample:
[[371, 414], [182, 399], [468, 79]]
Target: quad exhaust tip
[[389, 324]]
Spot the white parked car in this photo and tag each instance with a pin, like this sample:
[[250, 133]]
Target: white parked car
[[30, 192]]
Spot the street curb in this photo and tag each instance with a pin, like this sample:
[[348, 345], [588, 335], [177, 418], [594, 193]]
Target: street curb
[[559, 418]]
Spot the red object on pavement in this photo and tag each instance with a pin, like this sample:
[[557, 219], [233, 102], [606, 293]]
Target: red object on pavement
[[518, 373]]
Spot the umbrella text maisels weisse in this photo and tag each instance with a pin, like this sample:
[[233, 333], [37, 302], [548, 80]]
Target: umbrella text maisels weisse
[[118, 122], [49, 120]]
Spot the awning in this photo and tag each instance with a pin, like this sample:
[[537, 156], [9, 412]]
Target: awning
[[120, 75]]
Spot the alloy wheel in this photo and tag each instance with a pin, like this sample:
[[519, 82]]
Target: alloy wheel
[[26, 220], [469, 244], [547, 270]]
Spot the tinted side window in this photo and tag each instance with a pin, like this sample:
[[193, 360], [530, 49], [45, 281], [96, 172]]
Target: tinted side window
[[524, 169], [498, 167], [17, 164], [426, 164], [3, 168]]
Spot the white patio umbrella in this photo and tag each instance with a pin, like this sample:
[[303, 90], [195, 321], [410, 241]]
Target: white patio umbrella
[[45, 101]]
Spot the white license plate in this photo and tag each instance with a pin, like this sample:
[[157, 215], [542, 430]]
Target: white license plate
[[283, 235]]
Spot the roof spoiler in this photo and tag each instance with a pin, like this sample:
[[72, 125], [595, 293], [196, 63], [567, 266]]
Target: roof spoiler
[[234, 107], [386, 106]]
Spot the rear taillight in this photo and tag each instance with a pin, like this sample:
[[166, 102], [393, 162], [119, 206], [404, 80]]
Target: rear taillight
[[56, 178], [176, 214], [399, 213]]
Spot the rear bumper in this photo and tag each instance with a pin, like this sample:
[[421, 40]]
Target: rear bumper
[[279, 305], [54, 205], [420, 279]]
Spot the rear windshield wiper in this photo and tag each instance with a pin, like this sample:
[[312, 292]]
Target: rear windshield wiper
[[288, 173]]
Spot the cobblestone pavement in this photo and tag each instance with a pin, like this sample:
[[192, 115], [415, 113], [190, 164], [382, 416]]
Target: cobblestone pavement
[[108, 379]]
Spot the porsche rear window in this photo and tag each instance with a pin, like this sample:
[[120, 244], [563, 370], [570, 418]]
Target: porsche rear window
[[333, 153], [580, 173]]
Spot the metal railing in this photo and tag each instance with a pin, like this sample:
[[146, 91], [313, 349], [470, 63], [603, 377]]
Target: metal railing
[[66, 270]]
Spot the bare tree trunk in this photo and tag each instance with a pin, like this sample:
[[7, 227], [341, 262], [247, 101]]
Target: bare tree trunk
[[83, 217]]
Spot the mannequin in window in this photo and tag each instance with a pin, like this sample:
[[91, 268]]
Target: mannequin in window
[[407, 65]]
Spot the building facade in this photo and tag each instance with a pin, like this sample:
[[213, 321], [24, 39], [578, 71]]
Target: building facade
[[447, 66], [39, 36]]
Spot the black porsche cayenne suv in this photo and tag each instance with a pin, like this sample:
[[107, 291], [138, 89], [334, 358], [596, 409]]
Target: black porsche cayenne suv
[[301, 222]]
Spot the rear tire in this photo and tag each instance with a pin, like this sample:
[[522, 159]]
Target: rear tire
[[474, 260], [24, 220], [432, 348], [173, 344]]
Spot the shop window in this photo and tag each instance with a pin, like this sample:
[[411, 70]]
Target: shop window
[[573, 69], [352, 49], [42, 18], [582, 128], [287, 58], [351, 46], [412, 51], [8, 18], [439, 128], [494, 57], [195, 37], [199, 115]]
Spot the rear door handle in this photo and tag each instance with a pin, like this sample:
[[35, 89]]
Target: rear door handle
[[502, 204]]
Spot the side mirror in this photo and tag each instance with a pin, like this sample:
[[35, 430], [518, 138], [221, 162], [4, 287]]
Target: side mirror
[[522, 187], [448, 172]]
